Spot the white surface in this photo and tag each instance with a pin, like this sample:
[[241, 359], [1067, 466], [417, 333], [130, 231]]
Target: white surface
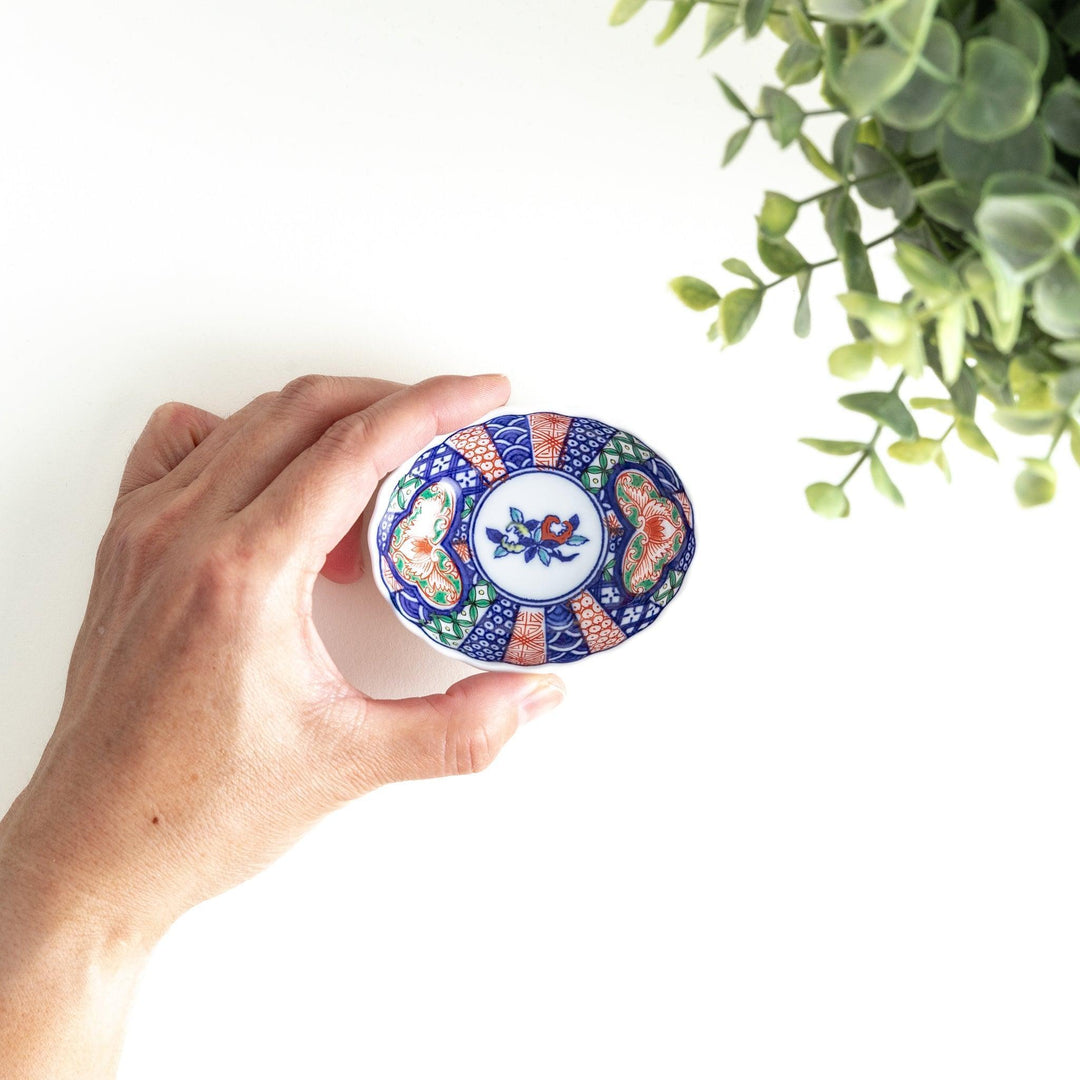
[[829, 830]]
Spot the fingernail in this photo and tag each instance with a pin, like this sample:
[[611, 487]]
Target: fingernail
[[493, 375], [542, 698]]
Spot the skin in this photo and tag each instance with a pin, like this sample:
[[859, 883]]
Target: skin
[[204, 727]]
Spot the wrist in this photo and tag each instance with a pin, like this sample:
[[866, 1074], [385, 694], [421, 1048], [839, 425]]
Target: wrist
[[69, 963]]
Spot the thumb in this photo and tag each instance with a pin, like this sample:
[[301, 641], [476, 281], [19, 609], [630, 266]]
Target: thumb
[[171, 433], [449, 734]]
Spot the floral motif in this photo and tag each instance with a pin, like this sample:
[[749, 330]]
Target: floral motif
[[659, 530], [538, 539], [416, 551]]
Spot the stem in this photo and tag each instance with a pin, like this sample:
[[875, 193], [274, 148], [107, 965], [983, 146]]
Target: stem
[[873, 439], [774, 11], [865, 454], [829, 262], [806, 112]]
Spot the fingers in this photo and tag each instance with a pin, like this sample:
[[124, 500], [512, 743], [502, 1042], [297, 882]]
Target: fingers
[[285, 425], [314, 501], [171, 434], [448, 734], [345, 563]]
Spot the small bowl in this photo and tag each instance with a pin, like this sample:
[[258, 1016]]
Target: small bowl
[[531, 540]]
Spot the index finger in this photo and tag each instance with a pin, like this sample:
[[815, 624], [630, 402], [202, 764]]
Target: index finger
[[312, 503]]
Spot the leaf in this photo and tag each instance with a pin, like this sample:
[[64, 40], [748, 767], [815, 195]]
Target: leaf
[[531, 554], [516, 514], [780, 256], [999, 94], [872, 75], [778, 214], [855, 260], [889, 323], [886, 409], [577, 540], [800, 63], [1001, 303], [910, 353], [738, 310], [925, 97], [733, 99], [785, 115], [883, 482], [754, 14], [1027, 421], [720, 21], [890, 191], [941, 405], [624, 11], [1074, 439], [828, 500], [818, 159], [1067, 350], [931, 278], [1056, 298], [946, 201], [844, 145], [835, 447], [841, 216], [1061, 115], [494, 536], [501, 552], [735, 144], [952, 340], [1024, 234], [916, 451], [1017, 24], [1037, 483], [973, 163], [852, 361], [964, 392], [971, 436], [545, 556], [737, 266], [694, 293], [676, 17], [802, 310]]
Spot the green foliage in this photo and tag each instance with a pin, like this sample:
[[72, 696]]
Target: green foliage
[[961, 119]]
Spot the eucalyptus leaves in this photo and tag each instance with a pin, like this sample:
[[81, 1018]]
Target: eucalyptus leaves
[[962, 118]]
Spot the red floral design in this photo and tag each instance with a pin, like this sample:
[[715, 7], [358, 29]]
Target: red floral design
[[659, 530]]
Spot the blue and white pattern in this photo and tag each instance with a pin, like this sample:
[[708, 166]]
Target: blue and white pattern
[[531, 610]]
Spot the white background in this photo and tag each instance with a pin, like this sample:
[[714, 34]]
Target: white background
[[820, 821]]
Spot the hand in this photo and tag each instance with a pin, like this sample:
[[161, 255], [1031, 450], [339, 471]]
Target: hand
[[204, 726]]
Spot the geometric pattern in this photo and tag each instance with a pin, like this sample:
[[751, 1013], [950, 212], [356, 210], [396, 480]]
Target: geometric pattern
[[477, 447], [620, 448], [450, 629], [583, 443], [510, 434], [669, 588], [527, 645], [641, 502], [488, 639], [548, 436], [597, 627], [564, 640]]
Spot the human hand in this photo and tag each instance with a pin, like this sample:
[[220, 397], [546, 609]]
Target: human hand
[[204, 726]]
